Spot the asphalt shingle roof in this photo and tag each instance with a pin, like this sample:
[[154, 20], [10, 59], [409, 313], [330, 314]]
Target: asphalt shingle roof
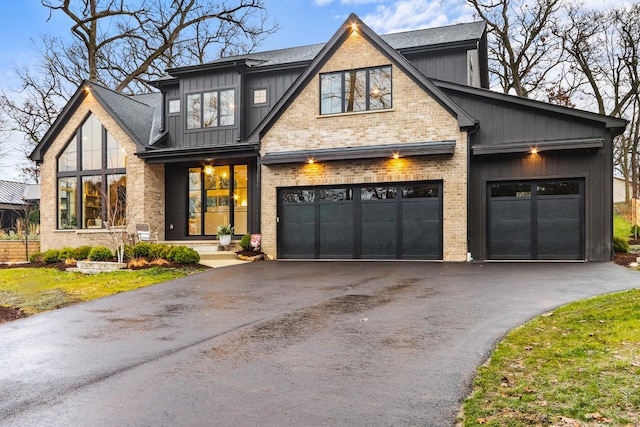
[[398, 41]]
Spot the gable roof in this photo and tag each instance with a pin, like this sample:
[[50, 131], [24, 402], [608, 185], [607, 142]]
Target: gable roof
[[138, 116], [617, 125], [464, 119], [18, 193], [404, 42]]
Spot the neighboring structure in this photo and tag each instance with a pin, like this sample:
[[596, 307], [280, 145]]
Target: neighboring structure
[[15, 198], [366, 147]]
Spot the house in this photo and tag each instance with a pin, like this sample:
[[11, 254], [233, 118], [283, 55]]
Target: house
[[366, 147], [15, 199]]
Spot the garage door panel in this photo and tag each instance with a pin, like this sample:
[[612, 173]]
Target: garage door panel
[[379, 221], [336, 230], [298, 232], [511, 248]]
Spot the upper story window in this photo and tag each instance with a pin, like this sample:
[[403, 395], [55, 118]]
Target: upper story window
[[92, 181], [355, 90], [174, 106], [259, 96], [211, 109]]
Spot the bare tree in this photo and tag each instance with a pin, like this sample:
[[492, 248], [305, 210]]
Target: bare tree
[[124, 45], [523, 53], [604, 49]]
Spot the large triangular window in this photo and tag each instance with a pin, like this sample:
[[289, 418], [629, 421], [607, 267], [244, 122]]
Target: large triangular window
[[92, 179]]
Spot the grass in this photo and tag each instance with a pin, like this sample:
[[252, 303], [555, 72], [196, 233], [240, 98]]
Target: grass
[[576, 366], [35, 290], [621, 226]]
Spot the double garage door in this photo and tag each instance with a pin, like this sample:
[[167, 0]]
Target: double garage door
[[374, 221], [536, 220]]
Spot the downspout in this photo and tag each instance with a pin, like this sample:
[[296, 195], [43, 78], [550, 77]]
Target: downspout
[[470, 131]]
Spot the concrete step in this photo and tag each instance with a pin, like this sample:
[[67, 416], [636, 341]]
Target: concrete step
[[217, 255]]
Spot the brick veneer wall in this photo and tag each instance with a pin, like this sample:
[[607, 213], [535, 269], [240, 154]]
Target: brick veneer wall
[[145, 185], [415, 117]]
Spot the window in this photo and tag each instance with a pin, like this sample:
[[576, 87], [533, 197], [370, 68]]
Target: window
[[91, 179], [211, 109], [217, 195], [174, 106], [259, 96], [355, 90]]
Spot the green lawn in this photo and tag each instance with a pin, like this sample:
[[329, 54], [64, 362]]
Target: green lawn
[[621, 227], [35, 290], [576, 366]]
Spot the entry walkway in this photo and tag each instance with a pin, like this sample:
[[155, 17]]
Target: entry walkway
[[281, 344]]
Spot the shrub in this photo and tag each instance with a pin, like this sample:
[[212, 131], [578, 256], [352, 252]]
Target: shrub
[[36, 257], [66, 253], [141, 250], [51, 256], [159, 251], [635, 230], [100, 253], [183, 255], [82, 252], [620, 245], [128, 252], [245, 242]]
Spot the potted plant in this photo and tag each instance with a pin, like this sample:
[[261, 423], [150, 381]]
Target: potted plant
[[224, 234]]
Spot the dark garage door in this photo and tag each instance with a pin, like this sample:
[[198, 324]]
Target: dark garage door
[[376, 221], [536, 220]]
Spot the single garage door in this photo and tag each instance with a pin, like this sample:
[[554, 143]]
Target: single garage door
[[536, 220], [376, 221]]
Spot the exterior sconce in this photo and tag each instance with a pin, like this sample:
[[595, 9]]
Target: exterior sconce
[[208, 170], [534, 151], [354, 27], [310, 161], [396, 155]]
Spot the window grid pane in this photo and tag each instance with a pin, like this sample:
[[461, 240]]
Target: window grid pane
[[331, 97], [210, 110], [117, 203], [115, 153], [194, 111], [227, 108], [68, 160], [355, 89], [92, 201], [91, 144], [67, 213]]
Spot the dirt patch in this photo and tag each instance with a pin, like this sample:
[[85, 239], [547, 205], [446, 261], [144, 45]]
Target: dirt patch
[[8, 314]]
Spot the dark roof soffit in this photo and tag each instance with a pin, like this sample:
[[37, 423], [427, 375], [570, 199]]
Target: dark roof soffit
[[173, 155], [356, 153], [538, 146]]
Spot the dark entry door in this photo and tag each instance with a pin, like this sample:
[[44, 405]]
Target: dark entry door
[[536, 220], [377, 221]]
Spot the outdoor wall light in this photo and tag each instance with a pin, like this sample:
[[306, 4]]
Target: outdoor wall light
[[534, 151], [208, 170], [310, 161], [354, 27], [396, 155]]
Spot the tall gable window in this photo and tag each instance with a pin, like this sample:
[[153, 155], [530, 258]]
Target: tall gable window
[[355, 90], [92, 182], [211, 109]]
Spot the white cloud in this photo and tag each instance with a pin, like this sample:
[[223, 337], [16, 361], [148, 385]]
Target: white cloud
[[404, 15]]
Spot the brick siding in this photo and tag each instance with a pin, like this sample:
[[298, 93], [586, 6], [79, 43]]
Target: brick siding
[[145, 185], [415, 117]]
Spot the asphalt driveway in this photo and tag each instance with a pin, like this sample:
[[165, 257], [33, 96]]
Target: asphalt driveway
[[281, 343]]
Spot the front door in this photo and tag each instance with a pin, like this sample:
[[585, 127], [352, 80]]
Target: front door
[[217, 196]]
